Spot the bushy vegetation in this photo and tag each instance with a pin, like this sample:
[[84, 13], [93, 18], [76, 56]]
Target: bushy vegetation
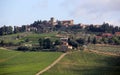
[[45, 27], [105, 27], [24, 48], [5, 30], [106, 40]]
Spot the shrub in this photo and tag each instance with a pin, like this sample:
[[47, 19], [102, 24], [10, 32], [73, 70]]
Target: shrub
[[23, 48]]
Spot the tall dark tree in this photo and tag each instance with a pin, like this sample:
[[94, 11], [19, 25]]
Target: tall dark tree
[[10, 30], [81, 41], [116, 29], [94, 40], [47, 44], [72, 43], [2, 43], [16, 29], [24, 28], [57, 42], [40, 43], [105, 27], [89, 39], [110, 41]]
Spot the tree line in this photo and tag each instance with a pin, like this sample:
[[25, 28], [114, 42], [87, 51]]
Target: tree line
[[44, 26], [104, 28], [76, 43], [5, 30], [45, 44]]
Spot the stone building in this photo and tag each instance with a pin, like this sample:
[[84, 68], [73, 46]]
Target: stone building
[[64, 47]]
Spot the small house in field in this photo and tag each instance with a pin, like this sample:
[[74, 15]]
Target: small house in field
[[64, 41], [117, 33], [107, 35], [98, 37], [64, 47]]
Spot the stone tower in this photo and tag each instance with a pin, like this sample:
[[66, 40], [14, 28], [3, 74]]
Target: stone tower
[[52, 20]]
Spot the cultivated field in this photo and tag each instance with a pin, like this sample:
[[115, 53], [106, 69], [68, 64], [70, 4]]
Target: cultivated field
[[110, 49], [25, 63], [86, 63]]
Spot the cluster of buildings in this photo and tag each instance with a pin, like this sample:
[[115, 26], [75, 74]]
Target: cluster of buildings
[[25, 28], [45, 24], [67, 23], [108, 35], [64, 22]]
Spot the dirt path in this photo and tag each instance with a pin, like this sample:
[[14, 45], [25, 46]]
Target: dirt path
[[51, 65]]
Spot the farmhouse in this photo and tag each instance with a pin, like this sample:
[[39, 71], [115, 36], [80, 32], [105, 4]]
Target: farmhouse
[[98, 37], [108, 35], [117, 33], [64, 46]]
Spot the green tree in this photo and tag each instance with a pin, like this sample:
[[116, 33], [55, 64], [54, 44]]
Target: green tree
[[16, 29], [72, 43], [9, 30], [105, 40], [110, 41], [81, 41], [6, 30], [47, 44], [57, 42], [116, 41], [40, 43], [27, 40], [2, 43], [89, 39], [24, 28], [94, 40]]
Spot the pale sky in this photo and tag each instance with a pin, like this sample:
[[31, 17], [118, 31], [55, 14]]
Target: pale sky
[[22, 12]]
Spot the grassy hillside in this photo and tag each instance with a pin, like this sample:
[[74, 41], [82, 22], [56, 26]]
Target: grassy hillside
[[86, 63], [24, 63], [33, 37]]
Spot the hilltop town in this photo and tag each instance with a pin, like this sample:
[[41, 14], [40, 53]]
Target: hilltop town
[[55, 25], [70, 35], [67, 35], [45, 26]]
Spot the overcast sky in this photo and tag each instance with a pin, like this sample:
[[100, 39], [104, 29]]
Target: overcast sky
[[20, 12]]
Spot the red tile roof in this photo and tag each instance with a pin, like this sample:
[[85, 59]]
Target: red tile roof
[[117, 33], [107, 35]]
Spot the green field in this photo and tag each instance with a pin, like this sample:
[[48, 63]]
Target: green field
[[86, 63], [25, 63]]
